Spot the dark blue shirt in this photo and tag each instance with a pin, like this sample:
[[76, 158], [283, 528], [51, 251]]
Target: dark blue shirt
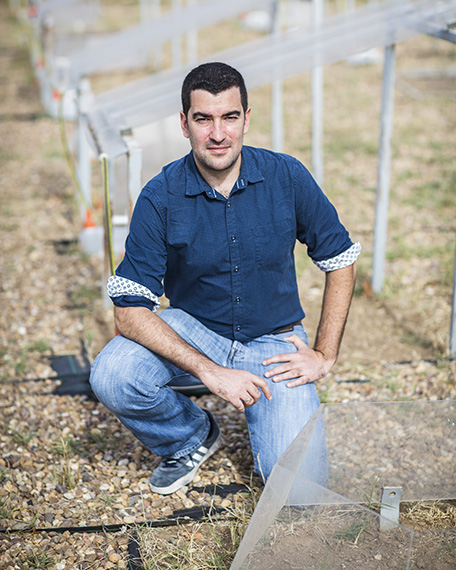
[[228, 262]]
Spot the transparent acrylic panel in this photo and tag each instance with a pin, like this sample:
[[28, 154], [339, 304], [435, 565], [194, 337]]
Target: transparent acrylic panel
[[411, 445], [312, 512], [325, 531], [279, 487]]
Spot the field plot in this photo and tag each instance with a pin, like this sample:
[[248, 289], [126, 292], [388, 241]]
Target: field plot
[[65, 461]]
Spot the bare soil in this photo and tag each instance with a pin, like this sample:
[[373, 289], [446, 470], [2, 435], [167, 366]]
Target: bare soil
[[328, 537]]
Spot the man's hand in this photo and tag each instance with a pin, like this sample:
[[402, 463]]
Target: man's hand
[[307, 364], [304, 366], [239, 387]]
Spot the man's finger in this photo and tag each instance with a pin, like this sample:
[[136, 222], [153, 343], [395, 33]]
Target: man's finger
[[288, 375], [263, 387], [283, 368], [239, 405], [299, 343], [300, 381], [277, 358]]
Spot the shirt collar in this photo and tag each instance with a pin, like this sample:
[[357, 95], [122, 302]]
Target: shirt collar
[[195, 183]]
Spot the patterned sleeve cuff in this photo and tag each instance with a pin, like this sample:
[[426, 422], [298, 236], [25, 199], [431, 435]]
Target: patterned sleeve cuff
[[344, 259], [118, 286]]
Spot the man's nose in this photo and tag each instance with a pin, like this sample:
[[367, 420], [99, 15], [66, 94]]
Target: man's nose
[[218, 132]]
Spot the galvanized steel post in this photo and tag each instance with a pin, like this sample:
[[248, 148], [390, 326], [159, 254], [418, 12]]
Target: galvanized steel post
[[384, 162], [317, 102]]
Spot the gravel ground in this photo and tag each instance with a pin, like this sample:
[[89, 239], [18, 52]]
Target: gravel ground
[[65, 461]]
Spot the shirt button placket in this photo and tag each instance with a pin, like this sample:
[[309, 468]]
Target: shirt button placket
[[235, 262]]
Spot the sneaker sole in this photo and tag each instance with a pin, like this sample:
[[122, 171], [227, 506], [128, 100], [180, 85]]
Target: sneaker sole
[[188, 477]]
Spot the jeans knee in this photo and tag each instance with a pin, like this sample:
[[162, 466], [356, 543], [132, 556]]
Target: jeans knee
[[126, 377], [112, 380], [103, 379]]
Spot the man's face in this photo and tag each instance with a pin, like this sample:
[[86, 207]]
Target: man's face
[[215, 126]]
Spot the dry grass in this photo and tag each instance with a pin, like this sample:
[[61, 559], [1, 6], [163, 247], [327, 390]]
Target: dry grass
[[428, 515], [208, 545]]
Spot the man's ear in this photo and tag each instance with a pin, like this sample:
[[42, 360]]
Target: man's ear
[[184, 124], [247, 121]]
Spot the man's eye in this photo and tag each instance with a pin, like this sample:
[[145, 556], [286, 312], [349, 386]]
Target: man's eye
[[232, 118], [202, 120]]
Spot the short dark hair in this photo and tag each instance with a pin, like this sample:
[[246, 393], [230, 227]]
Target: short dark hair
[[214, 77]]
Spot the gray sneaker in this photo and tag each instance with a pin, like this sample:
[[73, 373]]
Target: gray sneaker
[[172, 474]]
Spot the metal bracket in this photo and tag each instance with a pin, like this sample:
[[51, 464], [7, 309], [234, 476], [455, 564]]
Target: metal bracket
[[389, 507]]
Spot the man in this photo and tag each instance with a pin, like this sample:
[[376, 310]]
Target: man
[[216, 232]]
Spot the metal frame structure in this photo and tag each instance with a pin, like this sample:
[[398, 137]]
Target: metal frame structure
[[332, 39], [108, 123]]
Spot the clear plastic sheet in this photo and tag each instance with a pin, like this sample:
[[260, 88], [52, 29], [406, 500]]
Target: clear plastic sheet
[[329, 533], [407, 444], [313, 507]]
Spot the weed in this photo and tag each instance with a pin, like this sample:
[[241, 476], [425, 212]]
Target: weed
[[392, 385], [65, 446], [107, 499], [89, 336], [354, 531], [65, 475], [449, 546], [98, 440], [41, 345], [323, 563], [21, 363], [38, 560], [324, 396], [3, 474], [22, 438], [6, 510], [84, 296]]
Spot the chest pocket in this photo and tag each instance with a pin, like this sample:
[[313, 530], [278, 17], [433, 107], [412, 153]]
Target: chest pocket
[[273, 243]]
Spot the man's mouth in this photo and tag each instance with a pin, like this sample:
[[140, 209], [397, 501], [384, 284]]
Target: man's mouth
[[218, 149]]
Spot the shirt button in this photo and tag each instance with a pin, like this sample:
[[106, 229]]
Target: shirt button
[[236, 268], [238, 328], [228, 205], [233, 238], [238, 299]]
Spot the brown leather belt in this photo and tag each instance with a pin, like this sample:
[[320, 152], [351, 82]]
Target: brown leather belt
[[287, 328]]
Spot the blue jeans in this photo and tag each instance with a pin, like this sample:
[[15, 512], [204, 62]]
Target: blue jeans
[[131, 381]]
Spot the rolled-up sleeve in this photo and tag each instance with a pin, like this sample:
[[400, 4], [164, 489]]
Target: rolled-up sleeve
[[138, 280], [318, 225], [344, 259]]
